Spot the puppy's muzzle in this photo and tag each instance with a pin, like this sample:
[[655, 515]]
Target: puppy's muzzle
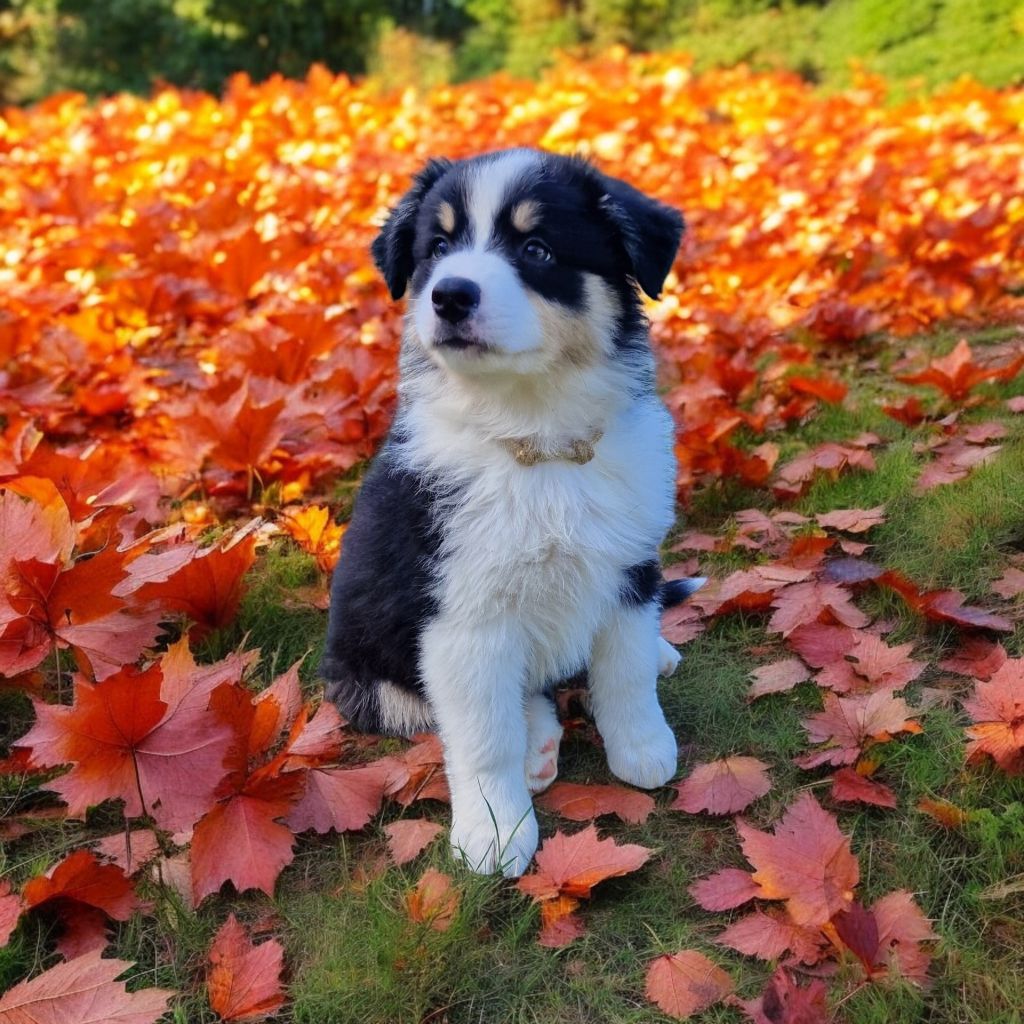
[[454, 298]]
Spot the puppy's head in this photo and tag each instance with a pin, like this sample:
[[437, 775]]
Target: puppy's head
[[520, 261]]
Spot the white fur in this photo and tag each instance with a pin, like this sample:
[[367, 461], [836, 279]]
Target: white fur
[[640, 746], [402, 712], [533, 557], [668, 658], [490, 185], [533, 566]]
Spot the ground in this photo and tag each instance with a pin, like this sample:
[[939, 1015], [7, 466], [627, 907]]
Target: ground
[[354, 955]]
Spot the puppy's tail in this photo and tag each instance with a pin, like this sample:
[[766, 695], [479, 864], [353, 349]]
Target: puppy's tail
[[673, 592]]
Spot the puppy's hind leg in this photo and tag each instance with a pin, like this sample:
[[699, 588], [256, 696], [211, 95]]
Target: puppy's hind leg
[[543, 735], [641, 747], [668, 657]]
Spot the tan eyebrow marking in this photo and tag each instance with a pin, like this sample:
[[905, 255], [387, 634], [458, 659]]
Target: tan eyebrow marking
[[526, 215], [446, 217]]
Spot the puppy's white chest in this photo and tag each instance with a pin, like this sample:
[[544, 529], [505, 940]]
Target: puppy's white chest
[[544, 547]]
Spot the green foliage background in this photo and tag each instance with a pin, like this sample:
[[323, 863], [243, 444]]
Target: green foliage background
[[101, 46]]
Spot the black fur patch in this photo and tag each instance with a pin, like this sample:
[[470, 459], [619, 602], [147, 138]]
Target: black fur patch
[[381, 590], [592, 224], [641, 584]]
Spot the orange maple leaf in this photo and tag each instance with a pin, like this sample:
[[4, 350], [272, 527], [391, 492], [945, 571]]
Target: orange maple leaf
[[997, 709]]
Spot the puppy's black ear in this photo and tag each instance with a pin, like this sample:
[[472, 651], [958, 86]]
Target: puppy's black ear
[[392, 248], [650, 232]]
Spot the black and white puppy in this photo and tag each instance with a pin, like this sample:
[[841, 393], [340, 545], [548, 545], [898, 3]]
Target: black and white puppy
[[506, 535]]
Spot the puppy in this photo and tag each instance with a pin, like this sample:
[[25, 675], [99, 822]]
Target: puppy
[[506, 535]]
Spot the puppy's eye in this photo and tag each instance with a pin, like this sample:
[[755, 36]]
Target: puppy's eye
[[439, 247], [534, 249]]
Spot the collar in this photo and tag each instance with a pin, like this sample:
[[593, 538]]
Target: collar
[[527, 451]]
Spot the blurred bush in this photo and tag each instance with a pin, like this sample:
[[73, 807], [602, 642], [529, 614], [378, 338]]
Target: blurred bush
[[106, 45]]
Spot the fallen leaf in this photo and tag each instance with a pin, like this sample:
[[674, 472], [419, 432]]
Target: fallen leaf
[[585, 802], [722, 787], [434, 901], [819, 644], [778, 677], [242, 840], [344, 799], [870, 663], [902, 928], [806, 862], [785, 1002], [130, 849], [850, 787], [725, 889], [10, 912], [956, 374], [82, 894], [82, 991], [567, 869], [684, 983], [948, 815], [848, 724], [681, 624], [976, 657], [141, 736], [408, 838], [244, 981], [814, 601], [312, 529], [768, 935], [853, 520], [1010, 584], [909, 412], [997, 709]]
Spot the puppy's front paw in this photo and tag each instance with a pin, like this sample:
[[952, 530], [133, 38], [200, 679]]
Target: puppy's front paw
[[489, 837], [646, 758]]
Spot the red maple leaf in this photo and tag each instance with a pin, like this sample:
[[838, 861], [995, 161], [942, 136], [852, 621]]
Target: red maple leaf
[[888, 938], [142, 736], [806, 862], [579, 802], [722, 787], [244, 981], [852, 520], [684, 983], [871, 664], [848, 724], [208, 587], [829, 459], [54, 599], [767, 935], [778, 677], [408, 838], [997, 709], [725, 889], [82, 990], [568, 868], [813, 601], [434, 901], [848, 786], [957, 374], [10, 912], [82, 893], [785, 1002]]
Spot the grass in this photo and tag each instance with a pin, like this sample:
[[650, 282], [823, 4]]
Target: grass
[[356, 958]]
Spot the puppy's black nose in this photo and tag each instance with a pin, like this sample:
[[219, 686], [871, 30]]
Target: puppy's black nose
[[455, 298]]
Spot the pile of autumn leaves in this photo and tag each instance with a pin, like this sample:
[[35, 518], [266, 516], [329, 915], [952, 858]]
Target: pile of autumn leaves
[[187, 308], [215, 780]]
